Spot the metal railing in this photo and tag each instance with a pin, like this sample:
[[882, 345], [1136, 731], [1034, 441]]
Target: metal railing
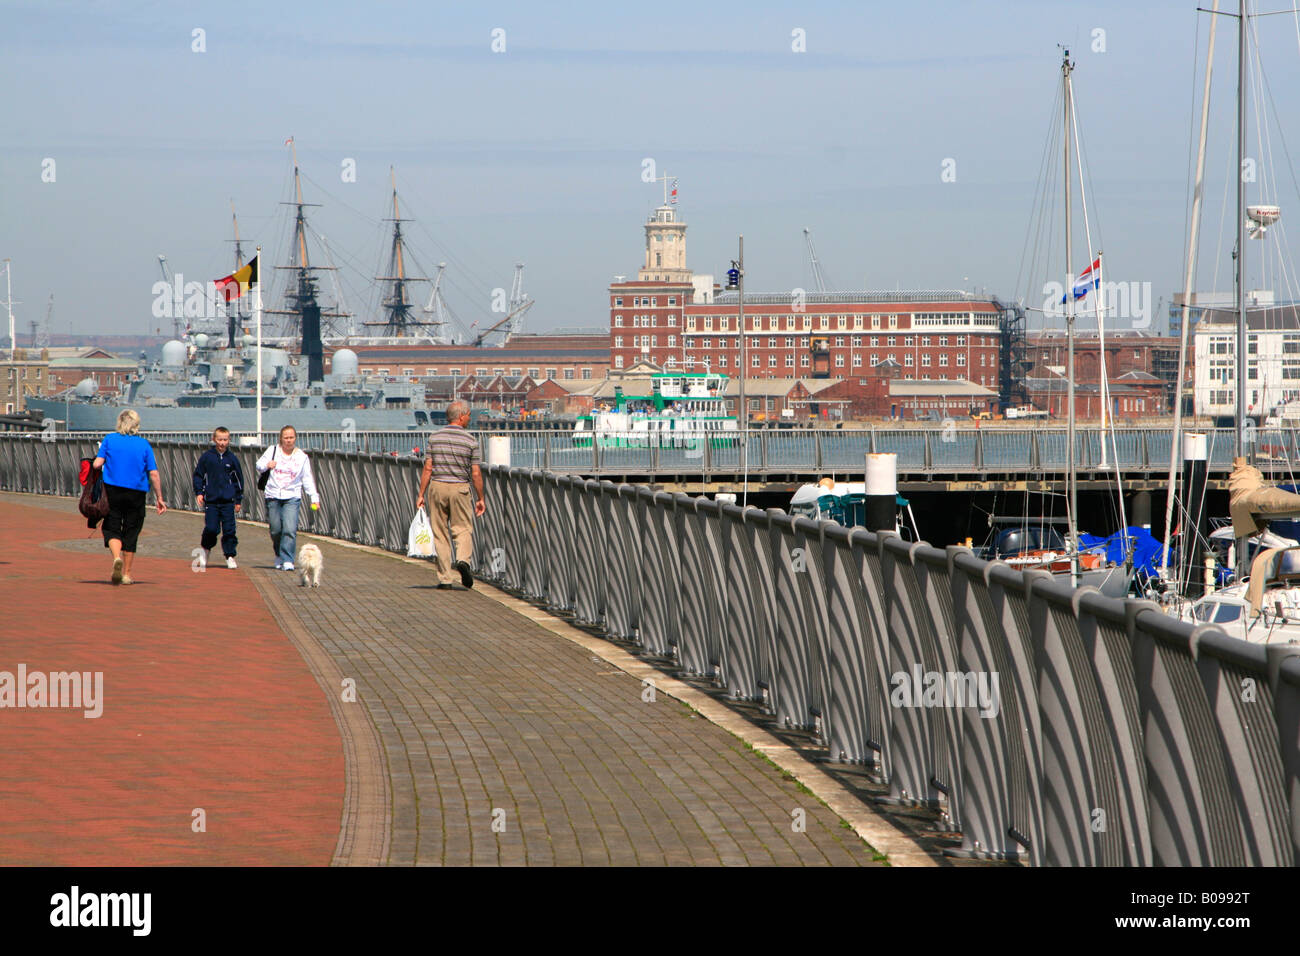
[[924, 450], [1067, 729]]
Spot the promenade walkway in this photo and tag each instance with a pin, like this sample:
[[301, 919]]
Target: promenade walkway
[[375, 720]]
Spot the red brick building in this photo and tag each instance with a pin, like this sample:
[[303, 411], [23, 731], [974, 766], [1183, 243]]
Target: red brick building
[[675, 319]]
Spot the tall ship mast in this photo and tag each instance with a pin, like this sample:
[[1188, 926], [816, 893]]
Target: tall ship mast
[[399, 311], [300, 298]]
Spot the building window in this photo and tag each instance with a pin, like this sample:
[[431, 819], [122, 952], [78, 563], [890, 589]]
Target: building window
[[857, 323], [842, 322], [672, 320], [618, 301], [430, 371], [753, 361], [690, 323], [618, 321], [961, 340], [875, 321], [961, 358], [722, 361], [654, 301], [925, 341], [672, 341], [618, 361], [771, 341], [618, 344], [456, 372], [907, 360], [925, 361], [771, 361], [550, 372], [825, 323], [857, 361], [568, 373], [893, 321], [839, 361], [943, 359], [516, 372], [586, 373], [789, 361], [803, 361], [672, 300], [857, 341], [943, 341], [654, 341], [839, 341]]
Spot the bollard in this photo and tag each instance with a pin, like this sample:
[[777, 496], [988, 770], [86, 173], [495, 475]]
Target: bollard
[[882, 492], [1196, 452], [498, 450]]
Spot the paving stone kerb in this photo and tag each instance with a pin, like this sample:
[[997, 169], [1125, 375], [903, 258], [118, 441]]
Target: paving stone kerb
[[500, 742]]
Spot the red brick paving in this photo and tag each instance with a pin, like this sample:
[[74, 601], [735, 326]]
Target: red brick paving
[[206, 704]]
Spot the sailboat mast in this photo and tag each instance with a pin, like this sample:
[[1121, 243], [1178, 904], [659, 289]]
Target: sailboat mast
[[1239, 445], [1198, 193], [1071, 485]]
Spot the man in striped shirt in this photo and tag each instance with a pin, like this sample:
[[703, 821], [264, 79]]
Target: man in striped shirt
[[451, 463]]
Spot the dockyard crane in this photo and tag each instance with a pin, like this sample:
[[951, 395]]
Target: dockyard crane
[[518, 300], [171, 281], [516, 313], [812, 257]]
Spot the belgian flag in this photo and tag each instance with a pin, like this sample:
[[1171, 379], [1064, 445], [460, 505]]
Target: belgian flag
[[239, 282]]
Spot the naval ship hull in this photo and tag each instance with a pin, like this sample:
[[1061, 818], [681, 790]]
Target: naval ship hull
[[240, 419]]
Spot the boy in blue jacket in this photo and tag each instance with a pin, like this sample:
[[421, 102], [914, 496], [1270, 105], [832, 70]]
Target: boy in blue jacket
[[219, 491]]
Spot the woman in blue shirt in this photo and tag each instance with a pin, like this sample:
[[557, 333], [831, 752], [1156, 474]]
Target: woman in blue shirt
[[129, 470]]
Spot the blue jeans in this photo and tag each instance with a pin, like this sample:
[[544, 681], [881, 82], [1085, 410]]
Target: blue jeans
[[282, 517]]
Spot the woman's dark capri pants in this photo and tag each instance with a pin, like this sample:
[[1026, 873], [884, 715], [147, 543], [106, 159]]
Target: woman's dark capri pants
[[125, 516]]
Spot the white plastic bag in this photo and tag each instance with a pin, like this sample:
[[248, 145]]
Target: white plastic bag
[[419, 539]]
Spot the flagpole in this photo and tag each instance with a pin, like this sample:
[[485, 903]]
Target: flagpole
[[258, 305]]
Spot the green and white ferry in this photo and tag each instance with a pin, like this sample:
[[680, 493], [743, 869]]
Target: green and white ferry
[[683, 410]]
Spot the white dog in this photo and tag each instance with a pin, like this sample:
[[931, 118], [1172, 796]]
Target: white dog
[[310, 564]]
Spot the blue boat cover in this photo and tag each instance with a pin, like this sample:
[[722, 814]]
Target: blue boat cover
[[1146, 550]]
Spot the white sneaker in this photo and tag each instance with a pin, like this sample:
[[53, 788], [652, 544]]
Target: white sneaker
[[279, 565], [230, 563], [288, 565]]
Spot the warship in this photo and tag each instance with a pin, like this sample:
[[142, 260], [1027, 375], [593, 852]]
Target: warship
[[207, 375]]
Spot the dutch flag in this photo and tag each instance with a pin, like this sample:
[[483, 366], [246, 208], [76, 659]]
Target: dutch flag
[[1089, 278]]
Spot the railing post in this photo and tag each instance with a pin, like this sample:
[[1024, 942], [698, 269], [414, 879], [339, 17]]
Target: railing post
[[979, 451], [546, 449], [872, 439], [817, 448], [929, 452], [1035, 454]]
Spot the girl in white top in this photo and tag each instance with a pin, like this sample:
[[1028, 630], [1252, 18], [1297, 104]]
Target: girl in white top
[[291, 475]]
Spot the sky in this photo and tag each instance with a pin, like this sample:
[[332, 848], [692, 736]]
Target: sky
[[910, 139]]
